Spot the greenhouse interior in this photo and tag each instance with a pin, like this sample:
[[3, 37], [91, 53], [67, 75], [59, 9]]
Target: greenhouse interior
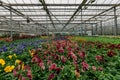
[[59, 40]]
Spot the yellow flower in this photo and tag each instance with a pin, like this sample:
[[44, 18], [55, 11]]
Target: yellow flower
[[18, 61], [23, 66], [2, 62], [15, 55], [12, 67], [32, 52], [10, 56], [9, 68]]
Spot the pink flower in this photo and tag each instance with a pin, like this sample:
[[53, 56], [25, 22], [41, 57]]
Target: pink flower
[[74, 57], [85, 66], [49, 62], [69, 49], [15, 72], [74, 62], [51, 76], [63, 59], [56, 57], [100, 58], [41, 64], [81, 54], [27, 67], [94, 68], [100, 68], [53, 67], [23, 78]]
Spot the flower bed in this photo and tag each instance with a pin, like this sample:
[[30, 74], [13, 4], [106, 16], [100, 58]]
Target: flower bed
[[61, 60]]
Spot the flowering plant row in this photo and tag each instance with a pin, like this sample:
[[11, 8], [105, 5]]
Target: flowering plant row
[[61, 60]]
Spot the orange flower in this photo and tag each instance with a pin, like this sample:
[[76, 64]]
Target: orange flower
[[77, 74]]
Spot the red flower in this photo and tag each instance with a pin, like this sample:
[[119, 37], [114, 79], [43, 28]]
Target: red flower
[[63, 59], [85, 66], [94, 68], [100, 69], [111, 53], [118, 46], [44, 56], [36, 59], [61, 50], [99, 45], [51, 76], [58, 70], [112, 46], [53, 67], [56, 57], [100, 58], [29, 75], [81, 54]]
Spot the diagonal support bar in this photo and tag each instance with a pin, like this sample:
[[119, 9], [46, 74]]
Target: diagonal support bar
[[8, 7], [80, 7], [48, 13], [100, 13]]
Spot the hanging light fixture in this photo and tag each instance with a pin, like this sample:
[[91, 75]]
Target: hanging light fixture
[[28, 20]]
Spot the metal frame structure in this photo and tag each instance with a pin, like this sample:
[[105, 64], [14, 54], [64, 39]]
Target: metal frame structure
[[64, 16]]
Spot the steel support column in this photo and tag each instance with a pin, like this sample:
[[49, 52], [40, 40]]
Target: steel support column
[[81, 24], [115, 22], [92, 29], [20, 27], [101, 28], [85, 29], [96, 29], [11, 23]]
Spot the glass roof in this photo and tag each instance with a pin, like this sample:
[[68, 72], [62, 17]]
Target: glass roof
[[59, 10]]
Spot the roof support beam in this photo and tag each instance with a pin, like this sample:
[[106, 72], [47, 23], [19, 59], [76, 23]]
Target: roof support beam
[[9, 7], [58, 9], [80, 7], [62, 5], [101, 13], [115, 22], [47, 11], [62, 15]]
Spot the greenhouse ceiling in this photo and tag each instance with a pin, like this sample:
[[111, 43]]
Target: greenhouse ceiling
[[59, 14]]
